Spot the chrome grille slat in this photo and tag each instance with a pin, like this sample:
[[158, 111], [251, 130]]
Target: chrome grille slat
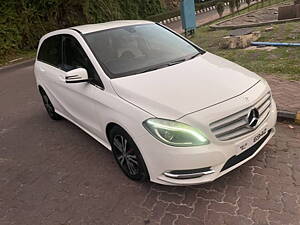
[[230, 130], [262, 105], [236, 124], [264, 114], [246, 131], [263, 100], [229, 118], [229, 123], [234, 135], [265, 108]]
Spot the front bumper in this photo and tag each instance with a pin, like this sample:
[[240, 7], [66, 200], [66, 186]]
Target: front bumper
[[204, 163]]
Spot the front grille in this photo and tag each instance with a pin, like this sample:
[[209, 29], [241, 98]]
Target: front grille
[[246, 154], [236, 124]]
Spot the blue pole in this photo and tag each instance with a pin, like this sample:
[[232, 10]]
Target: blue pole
[[275, 44]]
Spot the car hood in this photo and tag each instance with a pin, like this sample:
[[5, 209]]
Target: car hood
[[177, 90]]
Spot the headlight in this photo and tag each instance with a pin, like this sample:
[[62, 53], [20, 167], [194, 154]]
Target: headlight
[[175, 133]]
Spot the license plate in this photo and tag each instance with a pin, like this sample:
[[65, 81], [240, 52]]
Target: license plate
[[251, 141]]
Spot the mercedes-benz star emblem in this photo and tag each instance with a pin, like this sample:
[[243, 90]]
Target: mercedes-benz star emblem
[[252, 117]]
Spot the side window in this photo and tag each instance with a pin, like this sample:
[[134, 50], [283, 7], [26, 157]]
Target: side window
[[50, 51], [75, 57]]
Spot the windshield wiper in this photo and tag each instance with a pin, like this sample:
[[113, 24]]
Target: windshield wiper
[[194, 56], [154, 68], [163, 65], [176, 62]]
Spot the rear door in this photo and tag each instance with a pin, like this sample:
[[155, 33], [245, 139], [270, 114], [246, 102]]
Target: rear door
[[57, 55], [48, 68]]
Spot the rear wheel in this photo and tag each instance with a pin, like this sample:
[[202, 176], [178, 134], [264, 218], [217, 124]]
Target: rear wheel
[[49, 107], [127, 155]]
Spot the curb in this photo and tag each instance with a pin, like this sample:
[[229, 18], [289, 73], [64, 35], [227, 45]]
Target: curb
[[25, 63], [290, 116]]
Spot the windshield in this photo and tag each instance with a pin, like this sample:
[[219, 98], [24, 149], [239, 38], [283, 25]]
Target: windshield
[[137, 49]]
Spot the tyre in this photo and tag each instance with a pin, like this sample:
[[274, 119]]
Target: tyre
[[128, 155], [49, 107]]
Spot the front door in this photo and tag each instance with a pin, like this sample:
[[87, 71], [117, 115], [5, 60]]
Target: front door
[[77, 98]]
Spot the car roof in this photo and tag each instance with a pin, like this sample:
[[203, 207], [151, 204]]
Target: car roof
[[89, 28]]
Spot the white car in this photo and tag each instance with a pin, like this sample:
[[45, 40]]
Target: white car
[[169, 111]]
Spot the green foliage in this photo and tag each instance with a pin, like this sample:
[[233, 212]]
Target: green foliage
[[207, 4], [176, 12], [164, 16], [220, 8], [23, 22], [231, 5], [237, 4], [9, 32]]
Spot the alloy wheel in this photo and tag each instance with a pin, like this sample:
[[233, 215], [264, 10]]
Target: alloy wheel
[[126, 155]]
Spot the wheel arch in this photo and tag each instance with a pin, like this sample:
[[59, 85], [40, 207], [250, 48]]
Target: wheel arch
[[41, 89], [109, 127]]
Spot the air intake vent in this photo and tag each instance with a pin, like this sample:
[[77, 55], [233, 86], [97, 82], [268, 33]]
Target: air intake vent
[[246, 154]]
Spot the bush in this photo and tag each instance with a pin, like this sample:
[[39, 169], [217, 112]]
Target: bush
[[248, 2], [204, 5], [164, 16], [220, 8]]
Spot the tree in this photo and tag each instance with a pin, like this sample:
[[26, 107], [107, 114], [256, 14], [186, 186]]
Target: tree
[[231, 5], [220, 8], [248, 2], [237, 4], [24, 22]]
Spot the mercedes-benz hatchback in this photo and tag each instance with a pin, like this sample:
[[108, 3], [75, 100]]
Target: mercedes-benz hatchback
[[170, 111]]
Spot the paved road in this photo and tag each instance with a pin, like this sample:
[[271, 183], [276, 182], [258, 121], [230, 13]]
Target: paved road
[[53, 173]]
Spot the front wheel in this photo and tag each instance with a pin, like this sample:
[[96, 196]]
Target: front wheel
[[128, 155]]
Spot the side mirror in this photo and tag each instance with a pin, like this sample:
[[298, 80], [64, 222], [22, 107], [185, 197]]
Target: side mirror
[[77, 76]]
